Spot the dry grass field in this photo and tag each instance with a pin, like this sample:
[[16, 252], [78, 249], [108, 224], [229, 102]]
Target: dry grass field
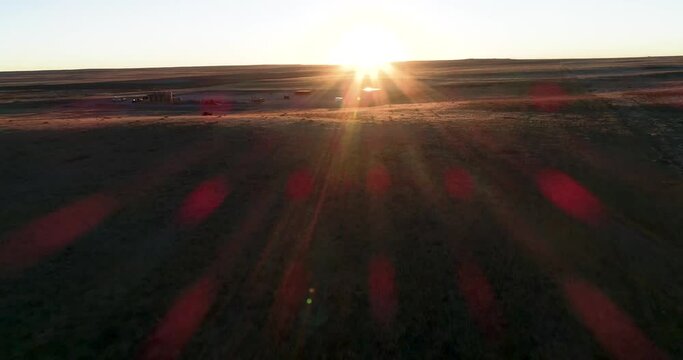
[[468, 209]]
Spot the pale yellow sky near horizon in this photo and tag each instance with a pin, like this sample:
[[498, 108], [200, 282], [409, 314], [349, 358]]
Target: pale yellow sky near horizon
[[41, 34]]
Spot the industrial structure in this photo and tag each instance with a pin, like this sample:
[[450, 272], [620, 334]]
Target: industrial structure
[[161, 97]]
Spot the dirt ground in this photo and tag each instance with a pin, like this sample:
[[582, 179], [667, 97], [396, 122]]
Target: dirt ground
[[479, 209]]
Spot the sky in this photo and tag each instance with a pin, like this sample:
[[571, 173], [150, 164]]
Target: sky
[[75, 34]]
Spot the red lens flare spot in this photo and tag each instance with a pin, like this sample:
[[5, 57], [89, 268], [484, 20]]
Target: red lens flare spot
[[569, 196], [459, 184], [290, 296], [181, 321], [378, 180], [676, 99], [549, 97], [382, 286], [215, 106], [611, 327], [51, 233], [300, 185], [480, 298], [203, 201]]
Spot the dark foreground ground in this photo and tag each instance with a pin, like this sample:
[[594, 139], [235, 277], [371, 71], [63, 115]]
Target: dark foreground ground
[[484, 209]]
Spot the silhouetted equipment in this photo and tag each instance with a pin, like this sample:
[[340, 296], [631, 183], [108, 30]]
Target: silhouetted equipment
[[286, 97], [161, 97]]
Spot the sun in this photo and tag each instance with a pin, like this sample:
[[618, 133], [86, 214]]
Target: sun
[[367, 50]]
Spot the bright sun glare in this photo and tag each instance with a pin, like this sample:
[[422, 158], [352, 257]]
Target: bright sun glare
[[367, 50]]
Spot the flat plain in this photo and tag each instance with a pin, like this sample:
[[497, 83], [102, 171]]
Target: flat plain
[[458, 209]]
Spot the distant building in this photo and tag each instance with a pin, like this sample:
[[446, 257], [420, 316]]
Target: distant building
[[303, 92], [161, 97]]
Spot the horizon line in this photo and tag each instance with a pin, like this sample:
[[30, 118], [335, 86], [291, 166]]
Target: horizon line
[[321, 64]]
